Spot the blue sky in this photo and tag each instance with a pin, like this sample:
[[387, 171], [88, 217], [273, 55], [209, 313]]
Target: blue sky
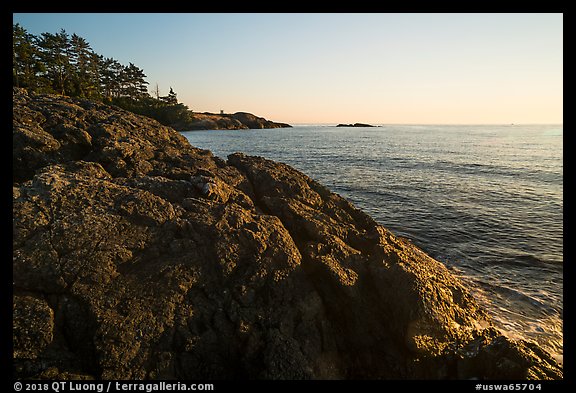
[[331, 68]]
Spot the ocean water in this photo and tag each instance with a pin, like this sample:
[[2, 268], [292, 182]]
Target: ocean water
[[487, 201]]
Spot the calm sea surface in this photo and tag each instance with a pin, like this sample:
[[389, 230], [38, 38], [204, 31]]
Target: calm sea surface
[[485, 200]]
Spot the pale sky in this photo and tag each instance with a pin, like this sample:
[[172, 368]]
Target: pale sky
[[335, 68]]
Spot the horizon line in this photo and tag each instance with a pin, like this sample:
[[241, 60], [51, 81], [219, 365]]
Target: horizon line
[[432, 124]]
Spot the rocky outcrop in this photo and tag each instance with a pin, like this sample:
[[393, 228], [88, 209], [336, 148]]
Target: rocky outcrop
[[236, 121], [139, 256], [355, 125]]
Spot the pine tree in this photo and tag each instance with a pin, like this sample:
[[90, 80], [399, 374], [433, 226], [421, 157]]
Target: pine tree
[[55, 54], [84, 79], [67, 65], [171, 98], [94, 89], [112, 78], [105, 76], [25, 59], [134, 82]]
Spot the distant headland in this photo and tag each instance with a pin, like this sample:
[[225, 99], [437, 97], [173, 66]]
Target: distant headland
[[225, 121]]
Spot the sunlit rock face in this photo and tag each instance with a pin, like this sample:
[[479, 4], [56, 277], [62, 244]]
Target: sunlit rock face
[[138, 256]]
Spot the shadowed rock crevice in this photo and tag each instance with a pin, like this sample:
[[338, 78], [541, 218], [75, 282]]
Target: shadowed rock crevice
[[138, 256], [359, 329], [56, 344]]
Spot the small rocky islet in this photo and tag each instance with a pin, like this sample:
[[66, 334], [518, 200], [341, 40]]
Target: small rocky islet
[[355, 125], [139, 256]]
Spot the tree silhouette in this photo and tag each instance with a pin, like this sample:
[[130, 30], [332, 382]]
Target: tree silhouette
[[67, 65], [55, 54], [171, 98], [25, 58], [84, 66]]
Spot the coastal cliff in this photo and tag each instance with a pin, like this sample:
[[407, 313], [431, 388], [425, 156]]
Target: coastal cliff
[[139, 256]]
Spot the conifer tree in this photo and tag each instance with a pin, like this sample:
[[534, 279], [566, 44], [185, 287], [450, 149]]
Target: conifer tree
[[134, 82], [67, 65], [25, 61], [55, 54], [85, 81], [171, 98]]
